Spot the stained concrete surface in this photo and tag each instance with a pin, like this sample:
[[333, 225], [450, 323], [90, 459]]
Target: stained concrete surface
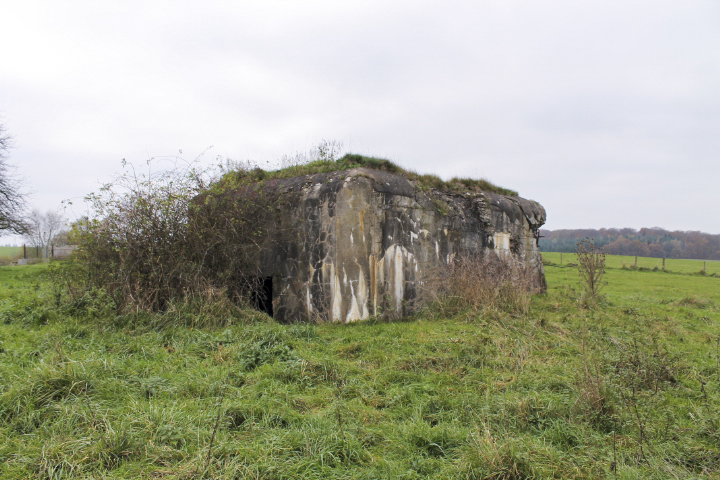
[[361, 242]]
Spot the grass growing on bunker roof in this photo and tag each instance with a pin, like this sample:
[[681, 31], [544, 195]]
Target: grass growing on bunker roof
[[350, 161]]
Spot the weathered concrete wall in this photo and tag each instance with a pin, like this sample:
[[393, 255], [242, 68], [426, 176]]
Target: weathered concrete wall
[[362, 242]]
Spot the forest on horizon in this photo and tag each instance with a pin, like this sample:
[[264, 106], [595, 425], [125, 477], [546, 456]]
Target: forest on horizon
[[646, 242]]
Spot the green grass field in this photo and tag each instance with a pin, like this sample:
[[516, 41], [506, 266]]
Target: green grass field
[[626, 388], [12, 252], [671, 265]]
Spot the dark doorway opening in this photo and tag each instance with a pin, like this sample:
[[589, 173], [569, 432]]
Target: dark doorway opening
[[262, 295]]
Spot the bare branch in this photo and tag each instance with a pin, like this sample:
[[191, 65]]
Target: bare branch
[[12, 198]]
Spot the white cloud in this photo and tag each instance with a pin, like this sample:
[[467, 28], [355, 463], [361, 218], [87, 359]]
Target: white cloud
[[554, 99]]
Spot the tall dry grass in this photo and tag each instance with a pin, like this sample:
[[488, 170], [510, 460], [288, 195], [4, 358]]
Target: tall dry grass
[[485, 282]]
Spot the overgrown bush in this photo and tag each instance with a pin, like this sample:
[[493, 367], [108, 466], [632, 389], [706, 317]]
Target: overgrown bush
[[155, 237], [136, 241], [486, 281]]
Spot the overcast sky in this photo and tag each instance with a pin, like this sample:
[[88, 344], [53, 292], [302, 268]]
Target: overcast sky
[[606, 112]]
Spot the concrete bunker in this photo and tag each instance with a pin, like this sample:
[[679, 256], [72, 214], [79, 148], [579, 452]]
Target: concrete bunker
[[357, 243]]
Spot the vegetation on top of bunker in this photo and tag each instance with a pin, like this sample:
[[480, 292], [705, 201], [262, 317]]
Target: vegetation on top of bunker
[[246, 174]]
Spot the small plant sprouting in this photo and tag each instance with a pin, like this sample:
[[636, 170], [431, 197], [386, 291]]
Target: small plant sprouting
[[591, 266]]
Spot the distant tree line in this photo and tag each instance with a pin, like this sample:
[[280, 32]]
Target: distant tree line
[[646, 242]]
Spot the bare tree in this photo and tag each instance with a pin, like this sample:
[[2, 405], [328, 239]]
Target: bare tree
[[12, 199], [591, 265], [43, 227]]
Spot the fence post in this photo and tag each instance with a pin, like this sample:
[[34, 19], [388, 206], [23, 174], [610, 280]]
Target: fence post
[[663, 264], [24, 252], [636, 261], [560, 258]]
